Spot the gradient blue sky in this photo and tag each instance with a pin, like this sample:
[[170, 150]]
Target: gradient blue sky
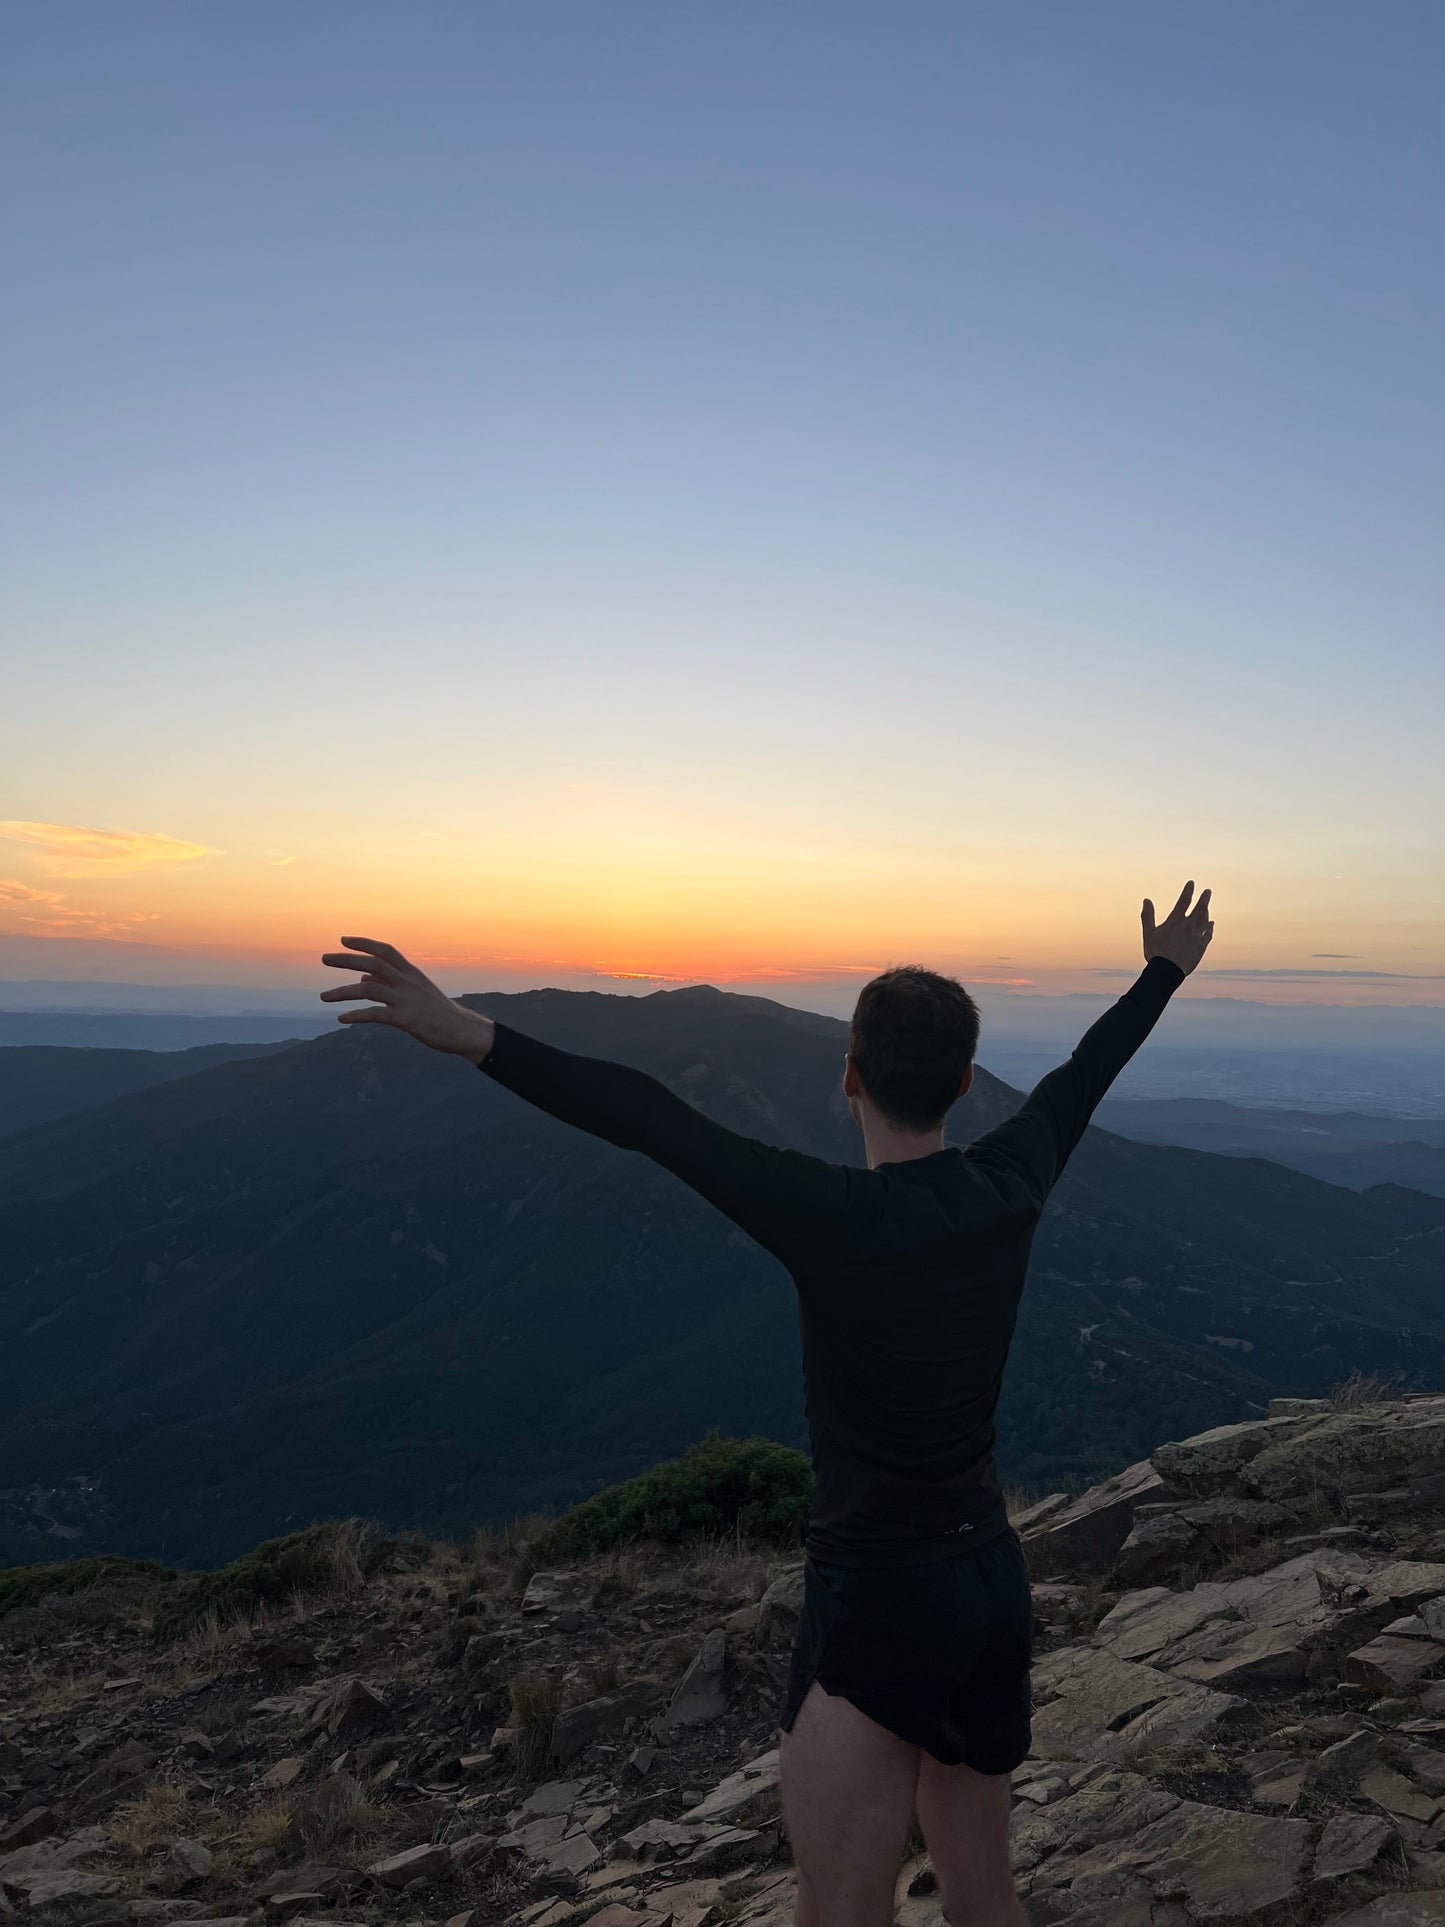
[[744, 491]]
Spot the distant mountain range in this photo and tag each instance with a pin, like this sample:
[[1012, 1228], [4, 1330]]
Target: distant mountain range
[[1343, 1147], [350, 1276]]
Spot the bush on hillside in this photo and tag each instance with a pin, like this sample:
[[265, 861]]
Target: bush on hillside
[[753, 1487], [332, 1557], [27, 1585]]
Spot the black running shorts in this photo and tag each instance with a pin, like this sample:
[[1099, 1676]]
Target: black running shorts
[[939, 1654]]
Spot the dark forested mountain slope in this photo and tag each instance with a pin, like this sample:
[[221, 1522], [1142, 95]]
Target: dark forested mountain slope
[[39, 1082], [354, 1276]]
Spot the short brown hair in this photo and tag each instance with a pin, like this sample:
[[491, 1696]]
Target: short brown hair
[[913, 1037]]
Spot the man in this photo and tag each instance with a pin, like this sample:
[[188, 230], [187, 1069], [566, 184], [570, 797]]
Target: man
[[908, 1690]]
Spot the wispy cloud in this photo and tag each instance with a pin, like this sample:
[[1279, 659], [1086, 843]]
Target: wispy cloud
[[71, 850], [1305, 975], [280, 862], [45, 913], [1334, 953]]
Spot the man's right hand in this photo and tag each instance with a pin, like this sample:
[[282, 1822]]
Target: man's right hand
[[397, 993], [1184, 935]]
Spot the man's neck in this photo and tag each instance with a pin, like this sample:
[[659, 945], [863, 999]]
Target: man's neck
[[883, 1143]]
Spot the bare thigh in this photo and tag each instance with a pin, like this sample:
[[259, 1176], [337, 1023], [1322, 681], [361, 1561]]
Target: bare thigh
[[964, 1818], [848, 1790]]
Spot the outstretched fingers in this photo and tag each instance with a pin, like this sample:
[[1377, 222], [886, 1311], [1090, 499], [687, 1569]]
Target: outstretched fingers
[[1147, 916], [375, 992], [385, 954], [1183, 904]]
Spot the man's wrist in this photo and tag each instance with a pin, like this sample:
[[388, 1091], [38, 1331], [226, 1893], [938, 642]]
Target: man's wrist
[[1160, 958], [477, 1045]]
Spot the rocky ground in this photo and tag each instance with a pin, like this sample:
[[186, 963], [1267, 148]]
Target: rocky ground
[[1240, 1716]]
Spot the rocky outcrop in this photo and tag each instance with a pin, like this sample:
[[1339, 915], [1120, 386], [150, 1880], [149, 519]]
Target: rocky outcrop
[[1240, 1719], [1304, 1472]]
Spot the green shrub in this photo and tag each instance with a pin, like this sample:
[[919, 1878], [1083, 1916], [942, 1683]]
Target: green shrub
[[28, 1585], [753, 1487], [333, 1557]]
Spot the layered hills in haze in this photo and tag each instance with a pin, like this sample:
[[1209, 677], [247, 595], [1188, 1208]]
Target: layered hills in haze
[[352, 1276]]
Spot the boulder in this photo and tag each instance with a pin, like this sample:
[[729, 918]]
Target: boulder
[[1399, 1796], [1264, 1626], [556, 1796], [1223, 1654], [659, 1840], [1352, 1843], [1395, 1910], [190, 1860], [58, 1888], [348, 1710], [1210, 1462], [579, 1726], [1112, 1806], [1147, 1622], [1349, 1757], [1366, 1451], [1389, 1662], [1097, 1707], [555, 1591], [1125, 1848], [29, 1828], [726, 1848], [425, 1862], [573, 1855], [1160, 1544], [736, 1797], [780, 1606], [1223, 1865], [700, 1696], [1033, 1515], [1085, 1535], [1277, 1779]]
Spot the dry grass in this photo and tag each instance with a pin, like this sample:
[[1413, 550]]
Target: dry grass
[[331, 1814], [536, 1700], [605, 1672], [139, 1827], [1364, 1388], [48, 1694], [318, 1821], [728, 1568], [265, 1828], [492, 1559], [396, 1591], [210, 1644], [623, 1572]]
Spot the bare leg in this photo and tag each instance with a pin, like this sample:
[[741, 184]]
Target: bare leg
[[964, 1817], [848, 1787]]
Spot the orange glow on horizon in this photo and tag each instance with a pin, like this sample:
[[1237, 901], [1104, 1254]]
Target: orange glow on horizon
[[663, 911]]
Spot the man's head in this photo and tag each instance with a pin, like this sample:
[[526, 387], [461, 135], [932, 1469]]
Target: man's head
[[911, 1046]]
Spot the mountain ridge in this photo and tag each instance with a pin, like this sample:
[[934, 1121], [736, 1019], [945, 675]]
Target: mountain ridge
[[251, 1296]]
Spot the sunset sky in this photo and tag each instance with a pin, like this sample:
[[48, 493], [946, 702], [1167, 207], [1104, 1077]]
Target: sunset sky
[[610, 494]]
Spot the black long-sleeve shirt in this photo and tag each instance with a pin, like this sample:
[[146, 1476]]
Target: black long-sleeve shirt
[[908, 1275]]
